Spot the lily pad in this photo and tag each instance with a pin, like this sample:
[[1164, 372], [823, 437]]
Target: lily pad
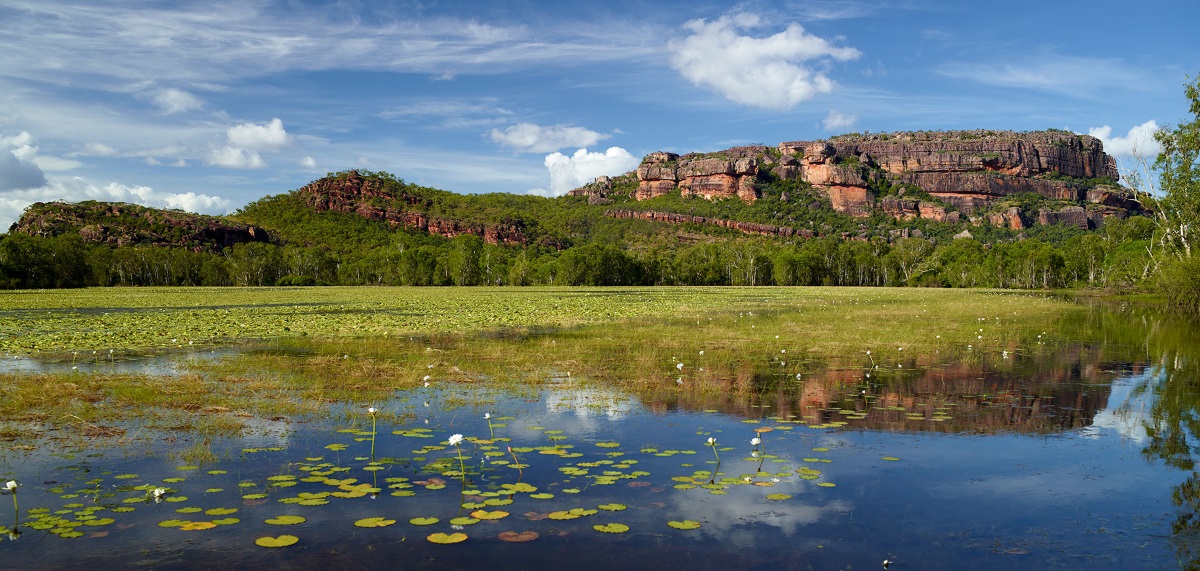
[[611, 528], [446, 539], [374, 522], [685, 524], [484, 514], [281, 541], [197, 525], [779, 497], [423, 521], [514, 537], [612, 507], [464, 521], [286, 520]]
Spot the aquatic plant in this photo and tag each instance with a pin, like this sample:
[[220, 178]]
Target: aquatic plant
[[456, 440]]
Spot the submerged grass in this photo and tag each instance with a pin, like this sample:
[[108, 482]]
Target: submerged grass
[[314, 347]]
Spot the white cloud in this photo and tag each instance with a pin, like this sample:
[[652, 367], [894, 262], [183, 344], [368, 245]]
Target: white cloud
[[245, 141], [1139, 139], [770, 72], [16, 174], [837, 120], [76, 189], [309, 163], [531, 138], [1064, 75], [267, 136], [95, 149], [18, 163], [567, 173], [172, 100]]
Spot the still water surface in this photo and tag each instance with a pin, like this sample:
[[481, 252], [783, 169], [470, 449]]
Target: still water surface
[[1075, 456]]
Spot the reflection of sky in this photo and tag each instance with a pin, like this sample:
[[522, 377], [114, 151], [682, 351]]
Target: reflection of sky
[[950, 501], [1126, 413]]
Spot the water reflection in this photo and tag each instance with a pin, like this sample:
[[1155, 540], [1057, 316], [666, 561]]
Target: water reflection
[[1012, 457]]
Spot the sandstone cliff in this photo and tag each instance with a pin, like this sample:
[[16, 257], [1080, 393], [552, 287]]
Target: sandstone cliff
[[961, 174], [120, 224], [374, 199]]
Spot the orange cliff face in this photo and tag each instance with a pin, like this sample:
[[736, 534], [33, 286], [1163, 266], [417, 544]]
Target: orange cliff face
[[966, 172]]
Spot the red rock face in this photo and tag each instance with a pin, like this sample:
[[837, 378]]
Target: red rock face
[[747, 227], [368, 198]]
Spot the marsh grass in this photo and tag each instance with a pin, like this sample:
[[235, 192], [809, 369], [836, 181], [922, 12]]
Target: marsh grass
[[361, 345]]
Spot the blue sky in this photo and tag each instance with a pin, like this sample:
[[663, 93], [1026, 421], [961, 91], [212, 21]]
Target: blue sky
[[206, 106]]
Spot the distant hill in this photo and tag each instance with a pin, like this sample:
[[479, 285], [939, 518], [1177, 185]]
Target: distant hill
[[930, 208]]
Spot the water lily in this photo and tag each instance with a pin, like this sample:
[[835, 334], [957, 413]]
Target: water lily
[[679, 366], [713, 443], [11, 486], [455, 440], [488, 417], [755, 441], [372, 410]]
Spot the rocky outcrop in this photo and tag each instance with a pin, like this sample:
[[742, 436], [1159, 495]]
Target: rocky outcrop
[[121, 224], [960, 173], [746, 227], [731, 173], [374, 198], [968, 170]]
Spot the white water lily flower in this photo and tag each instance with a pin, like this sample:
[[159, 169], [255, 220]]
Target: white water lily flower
[[11, 486], [754, 454], [371, 410], [712, 441], [487, 416], [755, 441], [701, 351], [456, 439], [679, 366]]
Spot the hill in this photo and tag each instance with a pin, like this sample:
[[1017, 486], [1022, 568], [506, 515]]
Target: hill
[[843, 210]]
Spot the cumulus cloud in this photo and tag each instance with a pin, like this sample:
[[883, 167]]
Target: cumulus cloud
[[1139, 139], [18, 169], [172, 100], [567, 173], [75, 189], [244, 141], [771, 73], [16, 174], [268, 136], [532, 138], [309, 163], [836, 120]]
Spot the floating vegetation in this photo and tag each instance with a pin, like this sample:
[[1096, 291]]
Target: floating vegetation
[[280, 541], [447, 539]]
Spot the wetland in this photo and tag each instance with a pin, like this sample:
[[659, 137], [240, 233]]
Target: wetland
[[710, 428]]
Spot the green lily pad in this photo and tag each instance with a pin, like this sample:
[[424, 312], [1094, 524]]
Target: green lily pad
[[612, 507], [423, 520], [447, 539], [374, 522], [286, 520], [226, 521], [685, 524], [611, 528], [779, 497], [221, 511], [464, 521], [484, 514], [281, 541]]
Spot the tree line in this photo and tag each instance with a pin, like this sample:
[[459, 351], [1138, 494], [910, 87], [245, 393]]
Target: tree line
[[1118, 256]]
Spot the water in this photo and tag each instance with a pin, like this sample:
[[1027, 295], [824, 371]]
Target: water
[[1064, 457]]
